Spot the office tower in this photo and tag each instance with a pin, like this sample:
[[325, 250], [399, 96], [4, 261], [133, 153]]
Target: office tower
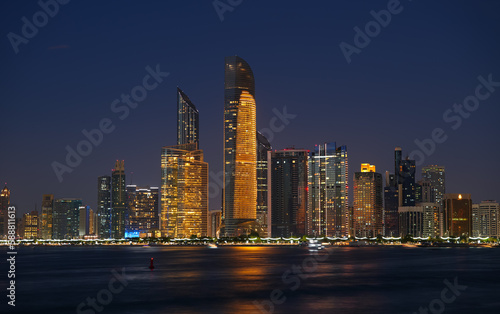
[[328, 191], [405, 178], [104, 207], [391, 205], [87, 222], [46, 218], [30, 224], [435, 175], [263, 146], [65, 218], [458, 214], [411, 221], [214, 223], [426, 193], [367, 211], [430, 219], [118, 200], [184, 173], [4, 208], [187, 120], [142, 212], [240, 147], [485, 219], [288, 192]]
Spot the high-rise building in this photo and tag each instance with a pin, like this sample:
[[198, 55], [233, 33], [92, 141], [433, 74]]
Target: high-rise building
[[104, 207], [240, 147], [485, 219], [4, 208], [328, 191], [30, 224], [288, 192], [458, 214], [391, 205], [405, 178], [142, 212], [263, 146], [368, 202], [411, 221], [187, 120], [88, 222], [435, 175], [425, 192], [46, 218], [214, 222], [184, 173], [118, 200], [66, 218]]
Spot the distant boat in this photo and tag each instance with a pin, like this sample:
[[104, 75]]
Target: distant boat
[[212, 246], [314, 245]]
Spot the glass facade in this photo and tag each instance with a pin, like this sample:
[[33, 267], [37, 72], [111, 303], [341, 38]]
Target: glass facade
[[118, 200], [435, 175], [240, 146], [367, 205], [66, 218], [263, 146], [187, 120], [46, 219], [104, 206], [142, 210], [458, 214]]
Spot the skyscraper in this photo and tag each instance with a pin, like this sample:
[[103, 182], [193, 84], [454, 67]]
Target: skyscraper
[[46, 218], [142, 211], [458, 214], [391, 205], [240, 147], [485, 219], [30, 225], [367, 211], [288, 192], [118, 200], [184, 173], [328, 191], [66, 218], [405, 178], [104, 206], [4, 208], [263, 146], [187, 120], [435, 175]]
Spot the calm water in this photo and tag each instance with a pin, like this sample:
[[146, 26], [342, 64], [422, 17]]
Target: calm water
[[230, 279]]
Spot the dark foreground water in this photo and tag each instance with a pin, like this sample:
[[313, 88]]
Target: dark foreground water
[[234, 279]]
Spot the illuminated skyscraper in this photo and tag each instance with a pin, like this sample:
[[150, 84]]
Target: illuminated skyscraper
[[66, 218], [458, 214], [435, 175], [142, 211], [104, 206], [184, 174], [391, 204], [405, 178], [288, 192], [263, 146], [187, 120], [4, 208], [118, 200], [485, 219], [30, 225], [240, 147], [328, 210], [46, 218], [367, 211]]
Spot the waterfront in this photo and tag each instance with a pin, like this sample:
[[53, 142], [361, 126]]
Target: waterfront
[[230, 279]]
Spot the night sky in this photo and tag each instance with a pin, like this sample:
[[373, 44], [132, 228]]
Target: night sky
[[65, 78]]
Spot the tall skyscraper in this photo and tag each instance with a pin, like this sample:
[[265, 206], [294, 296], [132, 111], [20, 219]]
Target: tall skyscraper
[[46, 218], [328, 191], [405, 178], [391, 205], [288, 192], [4, 208], [184, 173], [66, 218], [142, 212], [104, 207], [187, 120], [118, 200], [30, 225], [263, 146], [368, 206], [458, 214], [240, 147], [435, 175], [485, 219]]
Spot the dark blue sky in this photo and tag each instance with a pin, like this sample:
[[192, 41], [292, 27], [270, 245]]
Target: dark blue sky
[[396, 90]]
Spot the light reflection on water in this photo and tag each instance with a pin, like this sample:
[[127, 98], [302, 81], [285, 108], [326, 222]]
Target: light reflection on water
[[229, 279]]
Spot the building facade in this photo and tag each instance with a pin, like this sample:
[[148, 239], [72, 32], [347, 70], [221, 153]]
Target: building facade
[[4, 208], [263, 147], [66, 218], [118, 200], [142, 211], [46, 217], [458, 214], [485, 221], [368, 202], [104, 207]]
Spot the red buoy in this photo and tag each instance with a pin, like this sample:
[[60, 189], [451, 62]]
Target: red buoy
[[151, 266]]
